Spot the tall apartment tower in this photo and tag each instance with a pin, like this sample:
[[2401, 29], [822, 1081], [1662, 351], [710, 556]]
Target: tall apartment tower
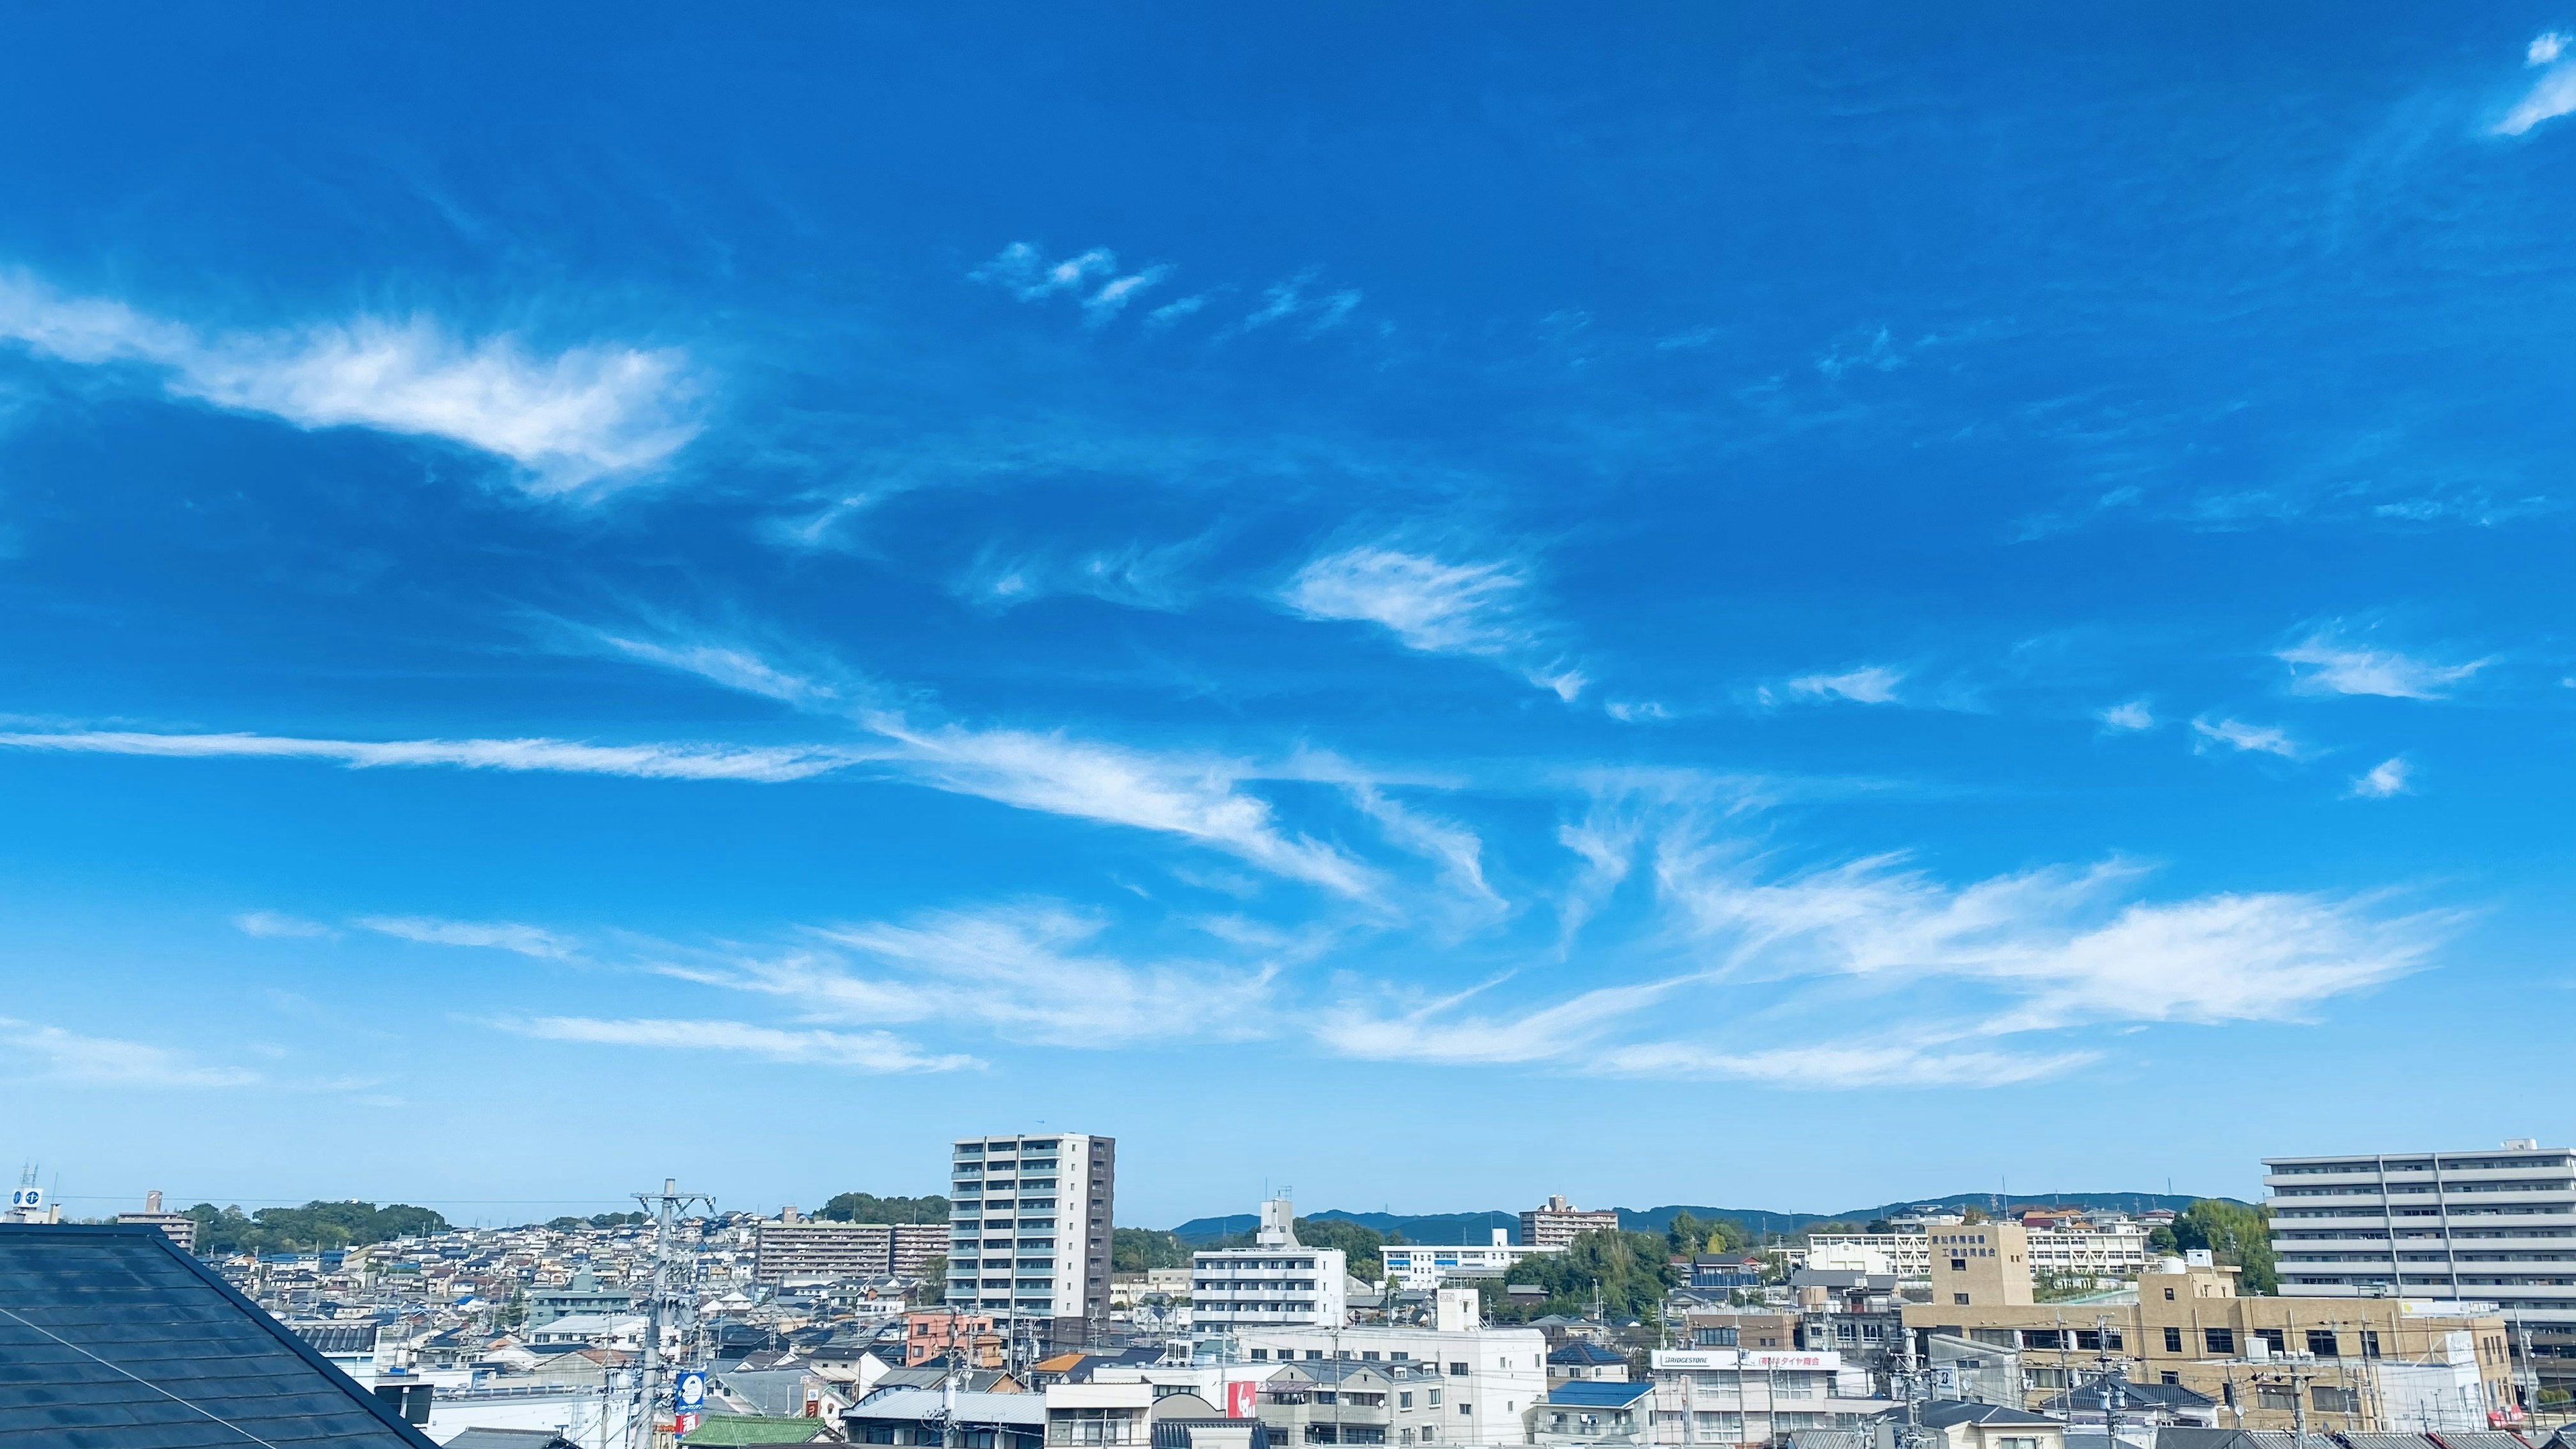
[[2495, 1226], [1028, 1231]]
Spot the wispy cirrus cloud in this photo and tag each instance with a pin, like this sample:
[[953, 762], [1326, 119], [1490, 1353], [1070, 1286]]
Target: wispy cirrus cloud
[[2128, 718], [2326, 663], [645, 762], [2237, 735], [278, 925], [866, 1051], [1432, 606], [583, 418], [1136, 576], [1023, 271], [54, 1054], [1845, 1065], [2388, 778], [1869, 684], [487, 935], [2552, 95]]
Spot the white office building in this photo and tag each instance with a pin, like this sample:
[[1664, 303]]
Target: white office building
[[2495, 1226], [1028, 1229], [1731, 1396], [1427, 1267], [1275, 1283], [1488, 1376], [2111, 1249]]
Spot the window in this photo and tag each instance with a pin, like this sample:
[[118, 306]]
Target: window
[[2276, 1396], [2274, 1339], [2332, 1400], [1092, 1426], [1959, 1299], [2221, 1341], [1258, 1353], [1404, 1400], [2369, 1343], [1363, 1434], [2016, 1441], [2173, 1340], [2321, 1342], [1457, 1370], [1958, 1265], [2043, 1338], [1465, 1409], [2047, 1378], [1712, 1338], [2169, 1377], [2169, 1295], [1368, 1353], [1322, 1434], [1435, 1398]]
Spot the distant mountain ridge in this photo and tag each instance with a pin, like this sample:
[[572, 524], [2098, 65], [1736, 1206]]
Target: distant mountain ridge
[[1479, 1227]]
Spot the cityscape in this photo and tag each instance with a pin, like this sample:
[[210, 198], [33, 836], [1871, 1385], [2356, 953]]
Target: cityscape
[[1661, 724], [2365, 1301]]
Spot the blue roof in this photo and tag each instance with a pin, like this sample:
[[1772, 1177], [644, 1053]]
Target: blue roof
[[112, 1337], [1596, 1394]]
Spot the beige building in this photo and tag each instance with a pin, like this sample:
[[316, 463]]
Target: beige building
[[2365, 1365], [794, 1247], [2106, 1250], [1561, 1222]]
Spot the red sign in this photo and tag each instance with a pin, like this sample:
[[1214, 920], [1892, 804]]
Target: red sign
[[684, 1424], [1239, 1397]]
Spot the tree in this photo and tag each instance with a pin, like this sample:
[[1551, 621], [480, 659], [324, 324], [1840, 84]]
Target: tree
[[1628, 1272], [1879, 1225], [2161, 1240], [933, 1287], [2234, 1234], [313, 1227], [1133, 1250], [867, 1207], [1972, 1214], [1359, 1242]]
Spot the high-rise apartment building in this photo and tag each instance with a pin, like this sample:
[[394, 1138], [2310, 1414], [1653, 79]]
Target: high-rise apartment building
[[2493, 1226], [1561, 1222], [1028, 1230]]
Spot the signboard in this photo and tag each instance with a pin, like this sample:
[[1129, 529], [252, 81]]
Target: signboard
[[1242, 1399], [684, 1423], [689, 1391], [1748, 1360]]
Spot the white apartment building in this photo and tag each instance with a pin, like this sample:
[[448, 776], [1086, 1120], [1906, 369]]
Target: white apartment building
[[1734, 1396], [1275, 1283], [2496, 1226], [1561, 1222], [2113, 1250], [1488, 1375], [1028, 1228], [1427, 1267]]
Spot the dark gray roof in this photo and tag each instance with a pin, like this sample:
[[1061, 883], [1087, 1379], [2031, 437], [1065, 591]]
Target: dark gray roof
[[2136, 1397], [112, 1337], [511, 1439], [1582, 1352], [1942, 1413]]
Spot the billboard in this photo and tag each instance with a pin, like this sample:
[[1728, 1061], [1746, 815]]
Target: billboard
[[1241, 1395]]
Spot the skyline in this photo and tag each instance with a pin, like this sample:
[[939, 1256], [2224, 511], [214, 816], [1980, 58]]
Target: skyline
[[1886, 600]]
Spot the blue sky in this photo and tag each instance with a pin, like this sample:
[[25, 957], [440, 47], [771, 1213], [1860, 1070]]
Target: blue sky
[[1886, 602]]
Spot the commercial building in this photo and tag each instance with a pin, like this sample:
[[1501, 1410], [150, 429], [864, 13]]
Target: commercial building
[[1338, 1401], [1275, 1283], [802, 1248], [1422, 1267], [2497, 1225], [1561, 1222], [1029, 1220], [2362, 1365], [2101, 1250]]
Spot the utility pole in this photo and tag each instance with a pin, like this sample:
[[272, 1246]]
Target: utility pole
[[666, 1207]]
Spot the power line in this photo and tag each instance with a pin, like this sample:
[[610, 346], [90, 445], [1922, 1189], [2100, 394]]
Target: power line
[[138, 1378]]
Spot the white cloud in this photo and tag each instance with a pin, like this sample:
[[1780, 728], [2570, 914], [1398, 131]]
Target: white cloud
[[1173, 311], [490, 935], [2058, 941], [1031, 973], [580, 418], [1871, 684], [1433, 607], [2243, 737], [2387, 778], [273, 924], [1113, 296], [1136, 576], [1434, 1032], [1455, 848], [2550, 97], [1635, 711], [65, 1056], [2323, 664], [1844, 1065], [2133, 715], [648, 762], [869, 1051], [1199, 799]]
